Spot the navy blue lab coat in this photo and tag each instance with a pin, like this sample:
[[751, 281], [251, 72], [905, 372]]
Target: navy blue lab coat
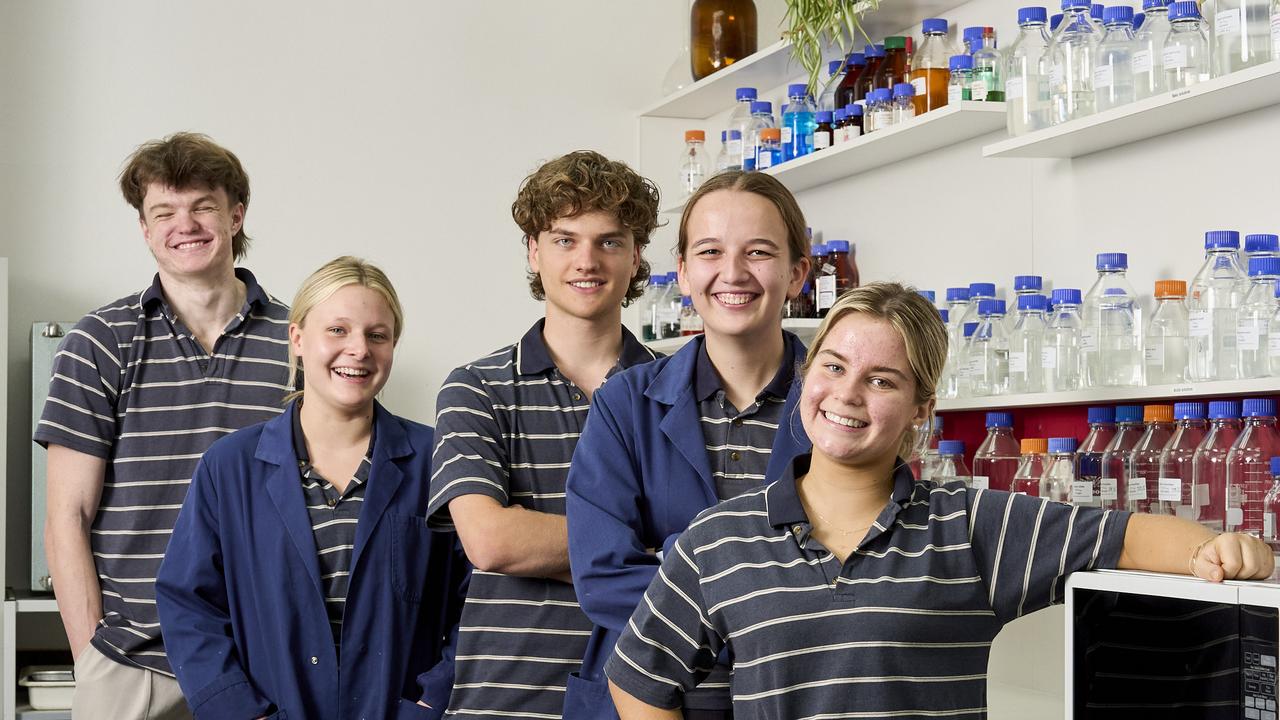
[[240, 599], [640, 474]]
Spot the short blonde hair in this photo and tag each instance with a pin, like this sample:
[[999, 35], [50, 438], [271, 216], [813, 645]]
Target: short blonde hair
[[329, 279], [922, 331]]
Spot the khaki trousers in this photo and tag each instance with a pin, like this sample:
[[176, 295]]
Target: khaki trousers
[[108, 690]]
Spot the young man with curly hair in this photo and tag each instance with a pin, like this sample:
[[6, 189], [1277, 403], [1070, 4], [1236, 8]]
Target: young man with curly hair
[[507, 425]]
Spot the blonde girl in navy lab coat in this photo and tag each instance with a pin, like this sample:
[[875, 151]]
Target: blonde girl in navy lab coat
[[301, 579]]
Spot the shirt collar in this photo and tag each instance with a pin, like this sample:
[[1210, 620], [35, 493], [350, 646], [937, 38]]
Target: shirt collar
[[783, 498], [533, 357], [706, 381], [253, 295]]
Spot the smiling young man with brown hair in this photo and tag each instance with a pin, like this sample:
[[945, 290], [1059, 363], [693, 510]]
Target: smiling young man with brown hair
[[507, 425]]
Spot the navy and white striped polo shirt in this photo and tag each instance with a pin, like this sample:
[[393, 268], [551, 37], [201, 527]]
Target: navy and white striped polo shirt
[[902, 629], [506, 427], [132, 385]]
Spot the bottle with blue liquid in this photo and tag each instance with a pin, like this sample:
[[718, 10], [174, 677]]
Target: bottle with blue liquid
[[798, 123]]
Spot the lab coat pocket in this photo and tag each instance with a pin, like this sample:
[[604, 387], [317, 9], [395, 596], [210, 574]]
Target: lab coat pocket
[[587, 700], [410, 555]]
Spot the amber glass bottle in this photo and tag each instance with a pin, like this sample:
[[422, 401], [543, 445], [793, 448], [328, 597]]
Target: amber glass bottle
[[722, 33]]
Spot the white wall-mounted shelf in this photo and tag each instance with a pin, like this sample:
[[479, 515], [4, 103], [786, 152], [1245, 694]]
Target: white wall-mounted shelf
[[772, 66], [804, 328], [1110, 396], [919, 135], [1224, 97]]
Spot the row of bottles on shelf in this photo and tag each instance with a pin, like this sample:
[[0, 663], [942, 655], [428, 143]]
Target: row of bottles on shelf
[[1096, 59], [666, 312], [1224, 326], [1215, 467]]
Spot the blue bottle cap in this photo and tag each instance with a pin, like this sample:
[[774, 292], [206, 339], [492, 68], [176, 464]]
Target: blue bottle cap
[[950, 447], [1188, 411], [1029, 15], [761, 107], [1275, 466], [673, 276], [1117, 14], [854, 110], [1263, 242], [1060, 446], [987, 308], [686, 301], [1128, 413], [1138, 19], [1102, 415], [960, 62], [837, 246], [957, 294], [1114, 261], [1223, 409], [1255, 407], [1184, 9], [874, 51], [901, 90], [1219, 239], [797, 90], [1027, 282], [999, 419], [824, 116], [1055, 21], [833, 67], [1150, 4], [1032, 302], [784, 109], [933, 25], [945, 314], [969, 328], [806, 287], [818, 249], [881, 95], [970, 34], [1096, 10], [928, 295], [1076, 5], [724, 135], [982, 290], [657, 279], [735, 134], [1266, 265], [745, 93], [840, 116], [855, 59], [1066, 296]]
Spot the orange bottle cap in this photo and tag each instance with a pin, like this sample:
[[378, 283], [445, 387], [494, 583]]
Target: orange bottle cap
[[1034, 445], [1157, 413], [698, 135], [771, 134], [1171, 288]]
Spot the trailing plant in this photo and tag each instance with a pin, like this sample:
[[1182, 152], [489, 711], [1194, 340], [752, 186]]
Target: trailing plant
[[813, 25]]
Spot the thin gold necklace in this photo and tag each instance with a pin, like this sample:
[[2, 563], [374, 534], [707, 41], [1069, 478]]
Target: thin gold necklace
[[833, 526]]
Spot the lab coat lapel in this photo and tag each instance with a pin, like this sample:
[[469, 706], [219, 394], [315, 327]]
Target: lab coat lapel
[[284, 485], [385, 477], [673, 386]]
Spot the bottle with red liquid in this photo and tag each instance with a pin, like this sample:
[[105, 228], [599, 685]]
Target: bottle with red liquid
[[1144, 461], [894, 69], [1249, 466], [1176, 462], [997, 458], [1270, 505], [835, 274], [1115, 458], [1209, 465], [690, 321], [847, 90], [1026, 480], [866, 82]]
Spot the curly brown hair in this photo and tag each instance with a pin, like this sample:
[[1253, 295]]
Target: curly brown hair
[[586, 181], [183, 161]]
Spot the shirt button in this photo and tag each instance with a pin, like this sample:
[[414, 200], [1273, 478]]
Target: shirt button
[[735, 456], [315, 660], [577, 396], [737, 422], [331, 502]]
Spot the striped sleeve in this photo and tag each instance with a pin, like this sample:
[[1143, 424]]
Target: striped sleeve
[[84, 389], [1026, 547], [669, 645], [469, 457]]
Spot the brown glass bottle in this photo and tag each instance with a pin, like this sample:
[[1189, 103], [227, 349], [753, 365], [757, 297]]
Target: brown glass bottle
[[866, 83], [854, 66], [722, 32], [894, 69]]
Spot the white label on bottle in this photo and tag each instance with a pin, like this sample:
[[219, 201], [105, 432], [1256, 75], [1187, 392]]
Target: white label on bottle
[[734, 147], [854, 131], [920, 84], [1081, 491], [1088, 340], [1226, 22], [1056, 75], [1269, 526], [882, 119], [1137, 489], [1171, 490], [978, 90], [1199, 323], [1275, 35], [786, 135], [821, 140], [1154, 351], [1247, 336], [1104, 76], [1235, 518], [980, 482], [1014, 89], [826, 291], [764, 160], [1200, 495], [1017, 361], [1273, 343], [1049, 358], [955, 93], [977, 365], [1107, 487], [1141, 62], [1174, 56]]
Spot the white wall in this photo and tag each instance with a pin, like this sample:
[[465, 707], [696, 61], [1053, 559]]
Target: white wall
[[395, 130]]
